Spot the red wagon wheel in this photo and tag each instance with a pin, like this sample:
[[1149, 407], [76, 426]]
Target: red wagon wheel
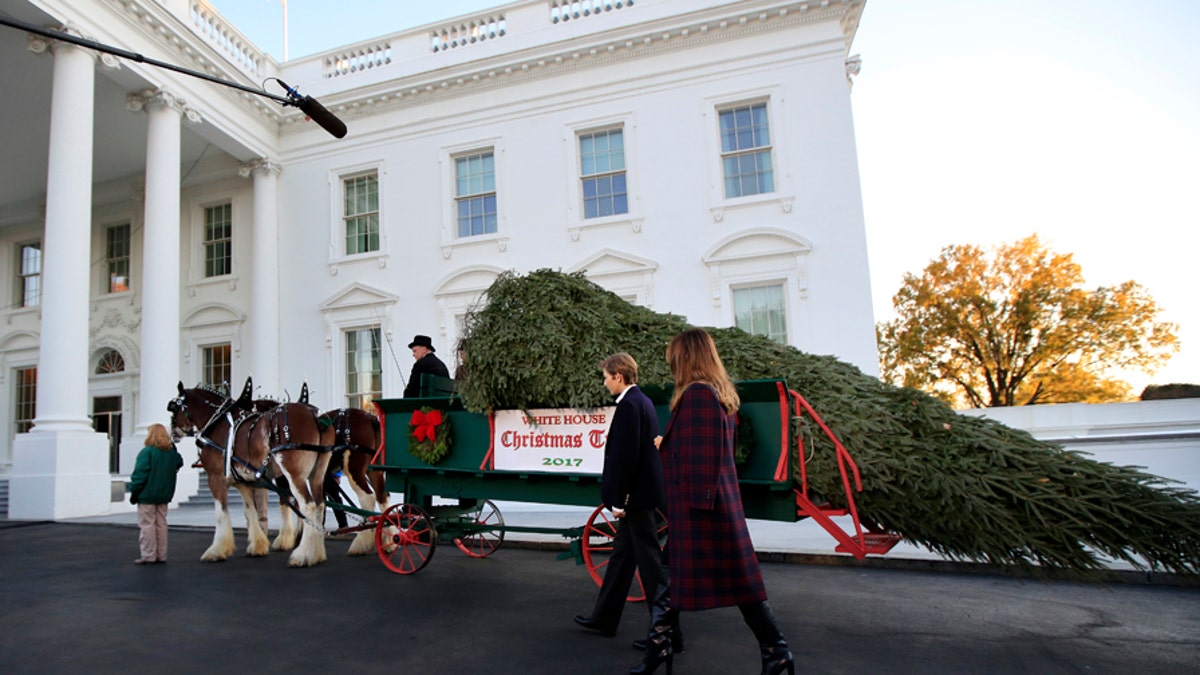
[[405, 538], [598, 537], [484, 542]]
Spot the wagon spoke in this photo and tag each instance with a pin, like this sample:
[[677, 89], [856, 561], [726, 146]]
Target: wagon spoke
[[598, 536], [486, 533], [405, 538]]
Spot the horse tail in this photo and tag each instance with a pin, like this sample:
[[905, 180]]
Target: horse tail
[[378, 429]]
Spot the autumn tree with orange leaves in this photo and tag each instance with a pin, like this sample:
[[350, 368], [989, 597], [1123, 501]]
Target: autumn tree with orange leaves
[[1015, 326]]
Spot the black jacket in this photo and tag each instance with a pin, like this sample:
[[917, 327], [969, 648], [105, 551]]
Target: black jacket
[[633, 476], [428, 364]]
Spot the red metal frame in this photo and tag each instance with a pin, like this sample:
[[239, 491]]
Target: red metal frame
[[380, 456], [781, 469], [489, 461], [859, 544]]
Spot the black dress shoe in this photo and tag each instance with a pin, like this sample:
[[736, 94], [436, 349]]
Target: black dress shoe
[[591, 624]]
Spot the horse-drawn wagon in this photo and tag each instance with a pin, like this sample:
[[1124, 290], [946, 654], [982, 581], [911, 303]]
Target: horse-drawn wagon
[[450, 464], [554, 456]]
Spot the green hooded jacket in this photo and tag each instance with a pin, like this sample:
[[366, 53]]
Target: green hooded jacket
[[153, 479]]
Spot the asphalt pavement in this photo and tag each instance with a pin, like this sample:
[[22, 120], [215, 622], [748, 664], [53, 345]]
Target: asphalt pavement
[[73, 601]]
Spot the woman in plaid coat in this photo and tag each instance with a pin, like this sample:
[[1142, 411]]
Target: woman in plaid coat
[[711, 557]]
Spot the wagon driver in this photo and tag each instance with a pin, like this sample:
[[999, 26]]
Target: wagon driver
[[426, 362]]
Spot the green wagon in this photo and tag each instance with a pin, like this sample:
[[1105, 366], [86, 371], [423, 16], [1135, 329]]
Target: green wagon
[[477, 468]]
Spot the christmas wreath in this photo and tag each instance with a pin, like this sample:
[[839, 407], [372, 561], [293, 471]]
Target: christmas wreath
[[429, 435]]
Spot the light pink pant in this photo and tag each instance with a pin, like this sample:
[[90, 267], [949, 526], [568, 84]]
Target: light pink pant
[[152, 519]]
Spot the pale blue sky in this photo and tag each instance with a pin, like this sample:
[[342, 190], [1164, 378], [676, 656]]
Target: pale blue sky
[[978, 122]]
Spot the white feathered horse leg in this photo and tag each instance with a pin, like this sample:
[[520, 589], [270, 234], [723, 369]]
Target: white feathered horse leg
[[286, 539], [222, 543], [305, 471], [257, 544], [365, 491]]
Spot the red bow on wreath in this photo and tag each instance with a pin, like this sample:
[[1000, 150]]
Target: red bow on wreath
[[425, 424]]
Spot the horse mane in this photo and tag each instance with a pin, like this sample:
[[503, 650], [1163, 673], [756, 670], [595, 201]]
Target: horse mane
[[211, 390], [266, 403]]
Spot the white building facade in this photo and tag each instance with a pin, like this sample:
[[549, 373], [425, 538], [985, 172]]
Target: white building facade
[[693, 156]]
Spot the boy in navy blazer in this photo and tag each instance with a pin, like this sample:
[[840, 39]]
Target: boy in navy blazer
[[632, 488]]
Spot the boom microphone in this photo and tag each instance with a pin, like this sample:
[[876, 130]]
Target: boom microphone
[[315, 111], [319, 114]]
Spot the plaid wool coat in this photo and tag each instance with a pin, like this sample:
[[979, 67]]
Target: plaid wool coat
[[711, 557]]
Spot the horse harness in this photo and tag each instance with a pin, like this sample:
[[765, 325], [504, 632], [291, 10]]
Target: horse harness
[[342, 433], [227, 411], [276, 417]]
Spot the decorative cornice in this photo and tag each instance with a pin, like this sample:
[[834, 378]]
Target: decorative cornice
[[161, 27], [424, 87]]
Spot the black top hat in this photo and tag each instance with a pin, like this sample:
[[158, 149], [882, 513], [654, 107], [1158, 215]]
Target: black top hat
[[422, 341]]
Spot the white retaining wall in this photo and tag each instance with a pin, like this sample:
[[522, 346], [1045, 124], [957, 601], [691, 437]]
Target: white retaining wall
[[1161, 436]]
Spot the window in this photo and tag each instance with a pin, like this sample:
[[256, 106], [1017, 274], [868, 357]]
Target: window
[[746, 151], [360, 209], [117, 254], [110, 362], [29, 277], [760, 310], [475, 176], [602, 169], [216, 365], [218, 240], [364, 367], [26, 398]]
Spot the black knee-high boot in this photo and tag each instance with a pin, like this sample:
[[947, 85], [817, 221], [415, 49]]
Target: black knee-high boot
[[776, 657], [676, 638], [658, 640]]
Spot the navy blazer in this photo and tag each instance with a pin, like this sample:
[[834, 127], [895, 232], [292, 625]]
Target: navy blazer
[[633, 476]]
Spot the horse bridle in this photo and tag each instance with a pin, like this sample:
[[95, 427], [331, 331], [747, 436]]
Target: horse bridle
[[179, 405]]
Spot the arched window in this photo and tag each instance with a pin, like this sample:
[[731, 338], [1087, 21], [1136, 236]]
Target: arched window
[[110, 362]]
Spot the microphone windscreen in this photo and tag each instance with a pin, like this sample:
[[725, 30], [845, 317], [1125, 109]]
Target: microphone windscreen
[[317, 113]]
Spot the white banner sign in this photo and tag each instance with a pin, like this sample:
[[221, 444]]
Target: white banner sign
[[554, 440]]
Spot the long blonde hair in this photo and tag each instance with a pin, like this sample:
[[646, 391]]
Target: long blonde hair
[[692, 356], [158, 437]]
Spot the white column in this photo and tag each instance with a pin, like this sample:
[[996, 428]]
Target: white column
[[62, 364], [60, 468], [264, 280], [160, 349]]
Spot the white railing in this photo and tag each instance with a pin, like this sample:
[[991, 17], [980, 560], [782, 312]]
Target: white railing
[[225, 38], [468, 33], [357, 59], [379, 58], [566, 10]]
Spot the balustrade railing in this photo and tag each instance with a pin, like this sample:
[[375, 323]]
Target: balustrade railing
[[566, 10], [358, 59], [239, 50], [468, 33]]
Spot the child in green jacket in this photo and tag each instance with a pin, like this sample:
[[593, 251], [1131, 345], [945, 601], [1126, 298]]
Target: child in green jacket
[[151, 487]]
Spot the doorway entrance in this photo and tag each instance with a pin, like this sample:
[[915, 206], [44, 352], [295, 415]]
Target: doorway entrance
[[106, 419]]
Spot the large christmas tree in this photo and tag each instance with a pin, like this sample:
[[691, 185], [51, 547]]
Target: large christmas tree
[[966, 487]]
